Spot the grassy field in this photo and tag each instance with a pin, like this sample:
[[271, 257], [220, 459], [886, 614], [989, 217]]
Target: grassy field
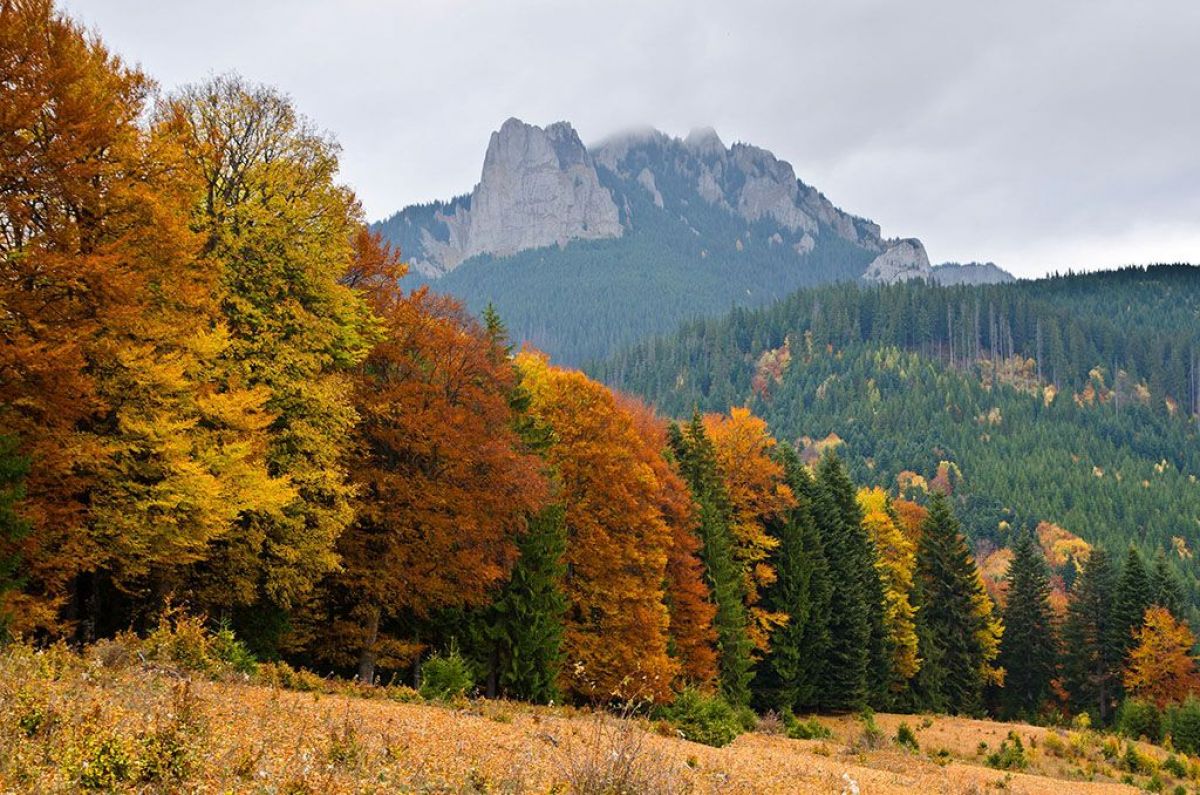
[[126, 716]]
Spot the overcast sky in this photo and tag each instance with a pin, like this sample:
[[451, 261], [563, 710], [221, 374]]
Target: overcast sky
[[1042, 135]]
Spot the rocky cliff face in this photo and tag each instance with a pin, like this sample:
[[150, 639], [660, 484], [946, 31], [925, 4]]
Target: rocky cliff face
[[539, 188], [747, 181], [543, 188], [971, 273], [900, 261]]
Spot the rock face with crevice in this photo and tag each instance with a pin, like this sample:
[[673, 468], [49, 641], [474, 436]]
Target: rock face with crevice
[[539, 188]]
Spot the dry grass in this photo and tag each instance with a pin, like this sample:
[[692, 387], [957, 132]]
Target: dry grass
[[111, 721]]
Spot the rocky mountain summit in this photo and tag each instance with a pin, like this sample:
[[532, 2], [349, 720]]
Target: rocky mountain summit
[[539, 188], [584, 249], [542, 187], [970, 273], [901, 261]]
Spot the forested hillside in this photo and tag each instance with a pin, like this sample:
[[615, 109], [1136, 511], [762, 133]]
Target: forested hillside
[[1012, 386]]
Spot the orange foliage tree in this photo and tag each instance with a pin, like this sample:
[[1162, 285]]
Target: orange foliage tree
[[689, 600], [618, 541], [758, 493], [1161, 667], [443, 482]]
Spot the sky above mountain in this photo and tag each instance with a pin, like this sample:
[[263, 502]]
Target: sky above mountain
[[1039, 135]]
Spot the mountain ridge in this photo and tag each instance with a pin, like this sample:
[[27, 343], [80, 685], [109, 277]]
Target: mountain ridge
[[585, 248]]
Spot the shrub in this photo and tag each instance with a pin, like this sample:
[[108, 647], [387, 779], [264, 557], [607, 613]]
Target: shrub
[[1055, 746], [906, 737], [1137, 719], [1136, 762], [1173, 765], [810, 729], [1011, 754], [231, 652], [444, 677], [703, 719], [1183, 724], [872, 736]]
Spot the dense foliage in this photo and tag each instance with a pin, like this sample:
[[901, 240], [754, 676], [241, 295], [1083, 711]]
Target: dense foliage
[[217, 393], [907, 377]]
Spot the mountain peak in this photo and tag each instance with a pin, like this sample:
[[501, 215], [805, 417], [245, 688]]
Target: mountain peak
[[704, 140]]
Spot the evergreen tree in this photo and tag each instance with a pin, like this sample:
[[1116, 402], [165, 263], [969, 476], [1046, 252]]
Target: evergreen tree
[[843, 680], [1135, 592], [698, 466], [1166, 587], [13, 468], [527, 625], [949, 624], [786, 678], [1028, 651], [1092, 663]]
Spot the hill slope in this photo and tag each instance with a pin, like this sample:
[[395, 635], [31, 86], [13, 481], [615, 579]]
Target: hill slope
[[1011, 385], [109, 723]]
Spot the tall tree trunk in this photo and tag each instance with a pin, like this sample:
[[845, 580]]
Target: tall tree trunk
[[366, 660]]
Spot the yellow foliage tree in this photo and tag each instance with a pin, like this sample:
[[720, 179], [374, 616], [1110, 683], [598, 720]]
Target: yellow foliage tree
[[895, 562], [1161, 667]]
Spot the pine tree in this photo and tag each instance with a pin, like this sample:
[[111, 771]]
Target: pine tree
[[786, 678], [527, 618], [1165, 586], [698, 464], [1029, 649], [843, 684], [1135, 592], [949, 621], [1092, 663]]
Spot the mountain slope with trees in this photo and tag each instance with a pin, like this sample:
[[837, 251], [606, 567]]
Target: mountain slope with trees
[[1000, 391]]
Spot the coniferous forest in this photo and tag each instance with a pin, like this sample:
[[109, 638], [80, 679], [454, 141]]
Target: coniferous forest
[[219, 400]]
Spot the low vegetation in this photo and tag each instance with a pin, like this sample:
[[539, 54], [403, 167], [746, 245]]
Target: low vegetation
[[185, 709]]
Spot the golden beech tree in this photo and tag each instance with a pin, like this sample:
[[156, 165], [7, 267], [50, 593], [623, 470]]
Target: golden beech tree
[[618, 542], [443, 482], [758, 493], [112, 322], [60, 185], [1161, 667], [689, 600], [280, 234], [896, 561]]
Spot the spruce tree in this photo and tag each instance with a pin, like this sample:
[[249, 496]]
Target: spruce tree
[[698, 464], [1165, 586], [1029, 648], [527, 618], [787, 677], [1091, 662], [951, 678], [842, 684], [13, 468], [1135, 593]]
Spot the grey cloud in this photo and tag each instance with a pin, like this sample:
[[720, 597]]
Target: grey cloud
[[1040, 135]]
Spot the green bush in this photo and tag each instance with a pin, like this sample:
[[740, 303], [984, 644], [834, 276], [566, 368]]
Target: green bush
[[810, 729], [906, 737], [703, 719], [1173, 765], [444, 677], [872, 736], [1010, 756], [231, 652], [1183, 724], [1137, 719]]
